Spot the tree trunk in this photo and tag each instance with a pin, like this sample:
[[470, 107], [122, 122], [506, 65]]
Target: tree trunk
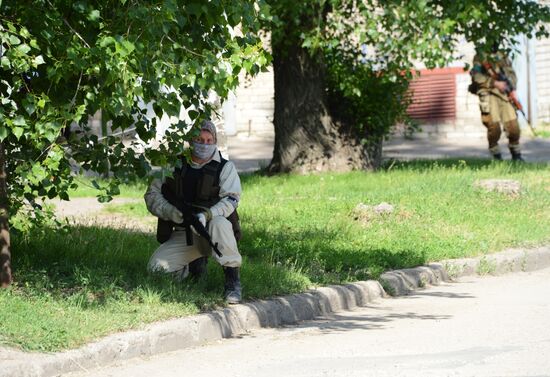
[[5, 253], [308, 137]]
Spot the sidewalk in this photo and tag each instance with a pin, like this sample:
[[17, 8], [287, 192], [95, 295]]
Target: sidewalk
[[252, 153]]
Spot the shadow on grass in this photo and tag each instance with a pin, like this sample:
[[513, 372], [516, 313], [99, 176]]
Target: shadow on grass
[[93, 265], [325, 257]]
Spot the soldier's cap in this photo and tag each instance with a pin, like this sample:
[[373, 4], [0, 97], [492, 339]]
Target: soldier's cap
[[209, 126]]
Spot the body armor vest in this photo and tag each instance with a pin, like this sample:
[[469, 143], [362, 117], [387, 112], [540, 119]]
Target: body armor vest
[[199, 188]]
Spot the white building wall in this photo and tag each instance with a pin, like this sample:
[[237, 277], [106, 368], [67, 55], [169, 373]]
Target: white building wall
[[542, 59], [254, 105], [468, 119]]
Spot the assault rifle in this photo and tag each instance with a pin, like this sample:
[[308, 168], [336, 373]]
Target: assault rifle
[[170, 191], [510, 92]]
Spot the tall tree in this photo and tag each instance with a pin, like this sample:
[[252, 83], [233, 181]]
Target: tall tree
[[342, 68], [61, 61]]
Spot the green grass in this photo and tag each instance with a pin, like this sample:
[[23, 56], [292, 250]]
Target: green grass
[[86, 188], [299, 231], [543, 130], [132, 209]]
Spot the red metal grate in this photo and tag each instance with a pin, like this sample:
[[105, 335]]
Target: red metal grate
[[434, 95]]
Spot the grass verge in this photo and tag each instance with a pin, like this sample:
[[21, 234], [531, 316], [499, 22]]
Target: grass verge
[[299, 231]]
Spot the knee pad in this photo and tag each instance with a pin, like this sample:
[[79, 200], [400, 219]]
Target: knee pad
[[493, 133], [512, 131]]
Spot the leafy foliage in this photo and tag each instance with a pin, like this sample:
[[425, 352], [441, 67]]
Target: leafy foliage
[[370, 48], [63, 61]]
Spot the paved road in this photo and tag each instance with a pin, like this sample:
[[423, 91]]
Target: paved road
[[533, 150], [491, 326], [251, 153]]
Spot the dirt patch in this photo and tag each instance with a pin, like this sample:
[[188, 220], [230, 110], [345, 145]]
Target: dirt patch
[[88, 211]]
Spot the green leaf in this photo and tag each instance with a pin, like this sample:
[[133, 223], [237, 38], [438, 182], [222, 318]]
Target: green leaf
[[4, 132], [5, 62], [38, 60], [128, 46], [104, 198], [23, 48], [29, 108], [19, 121], [18, 132], [94, 15], [39, 172], [14, 40], [106, 41]]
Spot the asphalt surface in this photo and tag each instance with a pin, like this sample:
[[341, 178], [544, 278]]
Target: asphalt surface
[[252, 153], [533, 150], [477, 326]]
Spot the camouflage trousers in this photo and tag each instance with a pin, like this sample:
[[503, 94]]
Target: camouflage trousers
[[174, 255], [498, 113]]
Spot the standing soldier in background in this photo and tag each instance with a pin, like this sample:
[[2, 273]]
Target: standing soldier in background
[[494, 81]]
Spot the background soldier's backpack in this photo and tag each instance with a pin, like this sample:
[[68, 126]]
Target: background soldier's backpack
[[473, 87]]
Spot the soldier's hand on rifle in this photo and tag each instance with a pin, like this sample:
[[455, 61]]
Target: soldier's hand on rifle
[[500, 85], [202, 218], [174, 214]]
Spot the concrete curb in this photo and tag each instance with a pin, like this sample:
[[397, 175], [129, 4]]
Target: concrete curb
[[402, 282], [191, 331], [232, 321]]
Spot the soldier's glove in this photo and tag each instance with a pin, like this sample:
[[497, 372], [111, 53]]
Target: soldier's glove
[[174, 214], [202, 219]]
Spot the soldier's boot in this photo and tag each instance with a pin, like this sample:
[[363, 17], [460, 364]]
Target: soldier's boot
[[515, 151], [198, 269], [494, 149], [232, 287], [517, 157]]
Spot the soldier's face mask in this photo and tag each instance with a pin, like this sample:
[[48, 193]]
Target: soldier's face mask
[[203, 151]]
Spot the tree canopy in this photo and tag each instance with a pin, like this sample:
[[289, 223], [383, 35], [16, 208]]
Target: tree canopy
[[349, 62], [63, 60]]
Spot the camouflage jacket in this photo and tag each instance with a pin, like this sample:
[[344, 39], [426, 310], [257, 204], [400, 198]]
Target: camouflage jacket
[[482, 73]]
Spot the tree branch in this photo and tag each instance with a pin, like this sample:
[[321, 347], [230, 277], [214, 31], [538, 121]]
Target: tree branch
[[70, 27]]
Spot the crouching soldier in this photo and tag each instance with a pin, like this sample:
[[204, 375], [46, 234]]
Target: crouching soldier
[[210, 189]]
